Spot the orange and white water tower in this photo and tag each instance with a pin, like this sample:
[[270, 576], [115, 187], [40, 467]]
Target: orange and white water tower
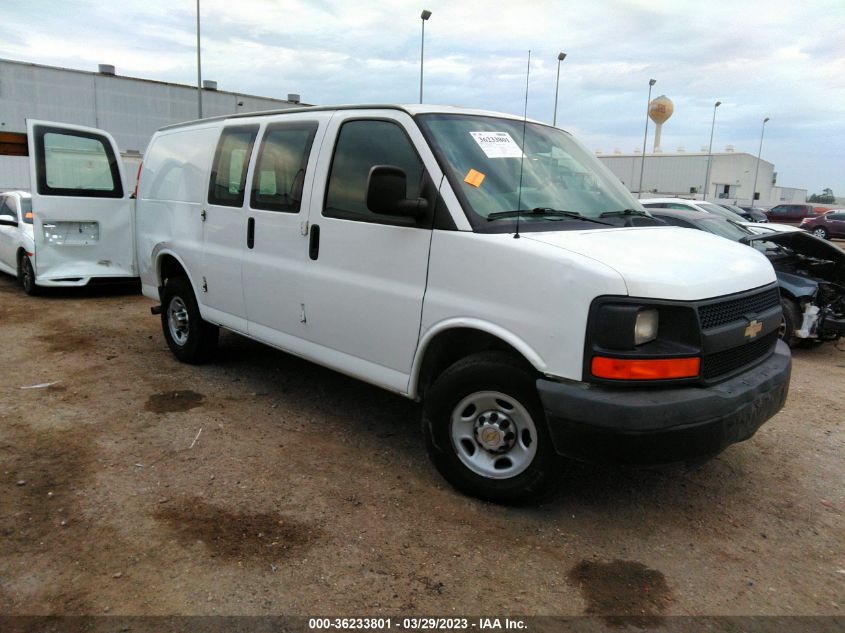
[[659, 110]]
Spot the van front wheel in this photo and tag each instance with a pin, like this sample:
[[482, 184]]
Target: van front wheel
[[485, 430], [191, 339]]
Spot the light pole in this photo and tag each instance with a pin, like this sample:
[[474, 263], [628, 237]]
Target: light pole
[[651, 83], [757, 168], [560, 58], [710, 152], [199, 67], [424, 16]]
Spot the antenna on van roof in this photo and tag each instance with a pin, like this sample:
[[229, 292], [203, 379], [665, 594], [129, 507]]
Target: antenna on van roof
[[522, 145]]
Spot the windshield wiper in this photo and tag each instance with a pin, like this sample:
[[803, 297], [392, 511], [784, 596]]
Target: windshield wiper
[[544, 211], [610, 214]]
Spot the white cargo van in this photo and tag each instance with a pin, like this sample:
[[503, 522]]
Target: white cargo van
[[385, 242]]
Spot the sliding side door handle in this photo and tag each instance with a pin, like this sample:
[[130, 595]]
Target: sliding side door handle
[[314, 243]]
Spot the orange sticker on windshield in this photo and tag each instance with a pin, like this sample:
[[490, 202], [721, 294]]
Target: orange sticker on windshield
[[474, 178]]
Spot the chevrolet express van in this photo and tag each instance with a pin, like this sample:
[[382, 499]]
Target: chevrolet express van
[[487, 266]]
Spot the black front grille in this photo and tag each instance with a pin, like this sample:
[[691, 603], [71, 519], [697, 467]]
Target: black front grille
[[731, 310], [730, 360]]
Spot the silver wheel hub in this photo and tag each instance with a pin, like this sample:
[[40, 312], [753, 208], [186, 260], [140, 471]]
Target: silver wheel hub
[[493, 434], [177, 320]]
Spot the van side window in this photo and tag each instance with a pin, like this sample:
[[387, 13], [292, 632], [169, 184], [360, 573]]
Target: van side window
[[360, 146], [280, 170], [228, 173], [72, 163]]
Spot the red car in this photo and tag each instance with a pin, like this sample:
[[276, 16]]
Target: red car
[[831, 224], [793, 213]]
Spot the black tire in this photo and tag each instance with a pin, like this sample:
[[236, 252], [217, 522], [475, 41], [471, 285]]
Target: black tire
[[489, 372], [193, 340], [821, 232], [791, 321], [26, 277]]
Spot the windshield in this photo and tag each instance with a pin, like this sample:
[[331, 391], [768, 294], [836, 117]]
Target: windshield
[[483, 160], [709, 207], [26, 209], [736, 232], [719, 227]]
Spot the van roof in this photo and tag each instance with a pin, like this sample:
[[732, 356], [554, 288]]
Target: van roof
[[412, 109]]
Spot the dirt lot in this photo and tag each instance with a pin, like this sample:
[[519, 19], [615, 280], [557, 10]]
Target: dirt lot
[[309, 493]]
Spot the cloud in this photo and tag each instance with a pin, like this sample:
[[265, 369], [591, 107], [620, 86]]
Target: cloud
[[776, 58]]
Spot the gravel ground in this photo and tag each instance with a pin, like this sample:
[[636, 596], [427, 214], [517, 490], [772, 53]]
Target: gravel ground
[[263, 484]]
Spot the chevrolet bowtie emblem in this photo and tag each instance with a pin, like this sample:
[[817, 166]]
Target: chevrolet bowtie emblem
[[753, 329]]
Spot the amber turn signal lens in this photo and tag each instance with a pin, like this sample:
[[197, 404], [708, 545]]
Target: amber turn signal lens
[[645, 369]]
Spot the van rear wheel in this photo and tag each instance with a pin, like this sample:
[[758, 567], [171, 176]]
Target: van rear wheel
[[189, 337], [485, 430]]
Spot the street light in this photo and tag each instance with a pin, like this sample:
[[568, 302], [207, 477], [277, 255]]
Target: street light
[[560, 58], [651, 83], [710, 152], [424, 16], [199, 67], [757, 169]]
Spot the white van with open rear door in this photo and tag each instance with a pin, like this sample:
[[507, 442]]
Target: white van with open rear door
[[486, 265], [83, 216]]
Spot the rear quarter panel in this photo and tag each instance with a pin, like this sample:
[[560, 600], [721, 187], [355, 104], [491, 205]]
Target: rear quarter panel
[[171, 193]]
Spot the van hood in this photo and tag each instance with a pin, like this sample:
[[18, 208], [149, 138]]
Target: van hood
[[668, 262]]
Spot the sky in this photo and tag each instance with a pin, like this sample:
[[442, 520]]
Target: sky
[[779, 59]]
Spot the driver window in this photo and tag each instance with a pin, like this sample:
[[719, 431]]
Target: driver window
[[362, 144]]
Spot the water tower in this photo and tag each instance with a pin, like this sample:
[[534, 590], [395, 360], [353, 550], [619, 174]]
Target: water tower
[[659, 110]]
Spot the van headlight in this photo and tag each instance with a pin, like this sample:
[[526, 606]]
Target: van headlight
[[645, 326]]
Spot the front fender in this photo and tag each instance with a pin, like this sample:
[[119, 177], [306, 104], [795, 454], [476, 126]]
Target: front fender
[[467, 323]]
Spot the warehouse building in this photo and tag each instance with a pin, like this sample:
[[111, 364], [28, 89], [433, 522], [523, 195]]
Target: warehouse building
[[731, 178], [130, 109]]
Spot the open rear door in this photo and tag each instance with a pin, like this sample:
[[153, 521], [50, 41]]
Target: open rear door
[[83, 218]]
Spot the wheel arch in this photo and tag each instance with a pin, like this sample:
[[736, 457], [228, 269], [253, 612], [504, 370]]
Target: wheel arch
[[447, 342]]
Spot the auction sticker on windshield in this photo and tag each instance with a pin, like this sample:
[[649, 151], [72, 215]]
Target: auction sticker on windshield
[[497, 144]]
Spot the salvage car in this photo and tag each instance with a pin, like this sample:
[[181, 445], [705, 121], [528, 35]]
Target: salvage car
[[831, 224], [720, 210], [793, 213], [811, 274], [750, 214], [16, 241]]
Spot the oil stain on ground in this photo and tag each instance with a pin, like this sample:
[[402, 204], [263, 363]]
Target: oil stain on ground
[[236, 535], [173, 401], [622, 592]]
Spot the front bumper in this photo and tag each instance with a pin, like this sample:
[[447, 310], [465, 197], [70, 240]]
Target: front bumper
[[651, 426]]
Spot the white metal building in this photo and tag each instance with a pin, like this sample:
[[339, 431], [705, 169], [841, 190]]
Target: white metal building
[[683, 174], [129, 108]]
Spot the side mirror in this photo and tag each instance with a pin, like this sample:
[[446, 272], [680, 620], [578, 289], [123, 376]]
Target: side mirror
[[6, 220], [386, 190]]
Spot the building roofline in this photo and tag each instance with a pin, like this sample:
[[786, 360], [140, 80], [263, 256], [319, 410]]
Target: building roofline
[[144, 80]]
